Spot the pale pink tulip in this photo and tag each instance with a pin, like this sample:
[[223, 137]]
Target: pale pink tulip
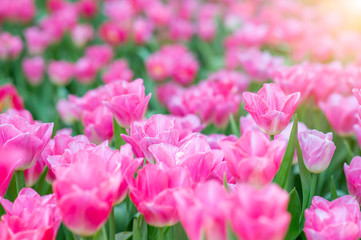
[[10, 46], [339, 219], [100, 54], [255, 216], [317, 150], [118, 71], [85, 70], [60, 72], [82, 34], [254, 158], [31, 216], [271, 108]]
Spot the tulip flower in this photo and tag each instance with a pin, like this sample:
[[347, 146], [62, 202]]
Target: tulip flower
[[118, 71], [100, 54], [317, 150], [256, 216], [33, 69], [8, 162], [128, 102], [253, 158], [160, 129], [9, 98], [339, 219], [341, 112], [85, 192], [60, 72], [271, 108], [16, 132], [203, 211], [31, 216], [352, 173], [157, 203], [85, 71], [10, 46]]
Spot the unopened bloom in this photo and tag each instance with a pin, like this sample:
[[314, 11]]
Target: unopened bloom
[[317, 150], [339, 219], [271, 108]]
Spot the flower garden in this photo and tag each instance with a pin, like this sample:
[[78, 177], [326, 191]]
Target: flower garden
[[180, 119]]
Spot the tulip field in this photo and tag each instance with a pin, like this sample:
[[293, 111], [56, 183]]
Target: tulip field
[[180, 119]]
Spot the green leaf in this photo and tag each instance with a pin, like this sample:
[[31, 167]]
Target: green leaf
[[230, 233], [117, 131], [294, 208], [234, 128], [123, 235], [140, 230], [283, 172], [179, 233], [305, 179], [333, 189]]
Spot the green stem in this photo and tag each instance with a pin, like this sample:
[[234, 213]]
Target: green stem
[[117, 131], [41, 180], [272, 137], [313, 188], [20, 181], [160, 233], [350, 154], [112, 225]]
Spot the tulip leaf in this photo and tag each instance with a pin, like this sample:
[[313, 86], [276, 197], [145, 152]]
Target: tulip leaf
[[117, 131], [123, 235], [284, 171], [234, 128], [305, 179], [294, 208], [179, 233], [140, 229], [230, 234], [333, 189]]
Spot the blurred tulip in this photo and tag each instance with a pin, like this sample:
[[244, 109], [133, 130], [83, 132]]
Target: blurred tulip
[[10, 98], [60, 72], [271, 108], [254, 216], [113, 33], [352, 173], [82, 34], [85, 70], [10, 46], [101, 55], [118, 71], [339, 219], [33, 69], [341, 112], [37, 40], [317, 150]]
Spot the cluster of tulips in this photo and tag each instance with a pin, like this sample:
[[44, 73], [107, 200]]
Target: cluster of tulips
[[180, 119]]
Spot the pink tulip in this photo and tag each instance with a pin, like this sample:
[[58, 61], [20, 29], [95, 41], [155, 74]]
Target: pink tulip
[[339, 219], [185, 70], [85, 188], [88, 8], [30, 138], [60, 72], [160, 14], [341, 112], [352, 174], [159, 67], [10, 46], [317, 150], [31, 216], [157, 203], [68, 111], [203, 211], [8, 161], [357, 93], [33, 69], [100, 54], [194, 154], [255, 216], [37, 40], [113, 33], [118, 70], [159, 129], [10, 98], [142, 30], [85, 70], [128, 102], [271, 108], [254, 158], [82, 34]]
